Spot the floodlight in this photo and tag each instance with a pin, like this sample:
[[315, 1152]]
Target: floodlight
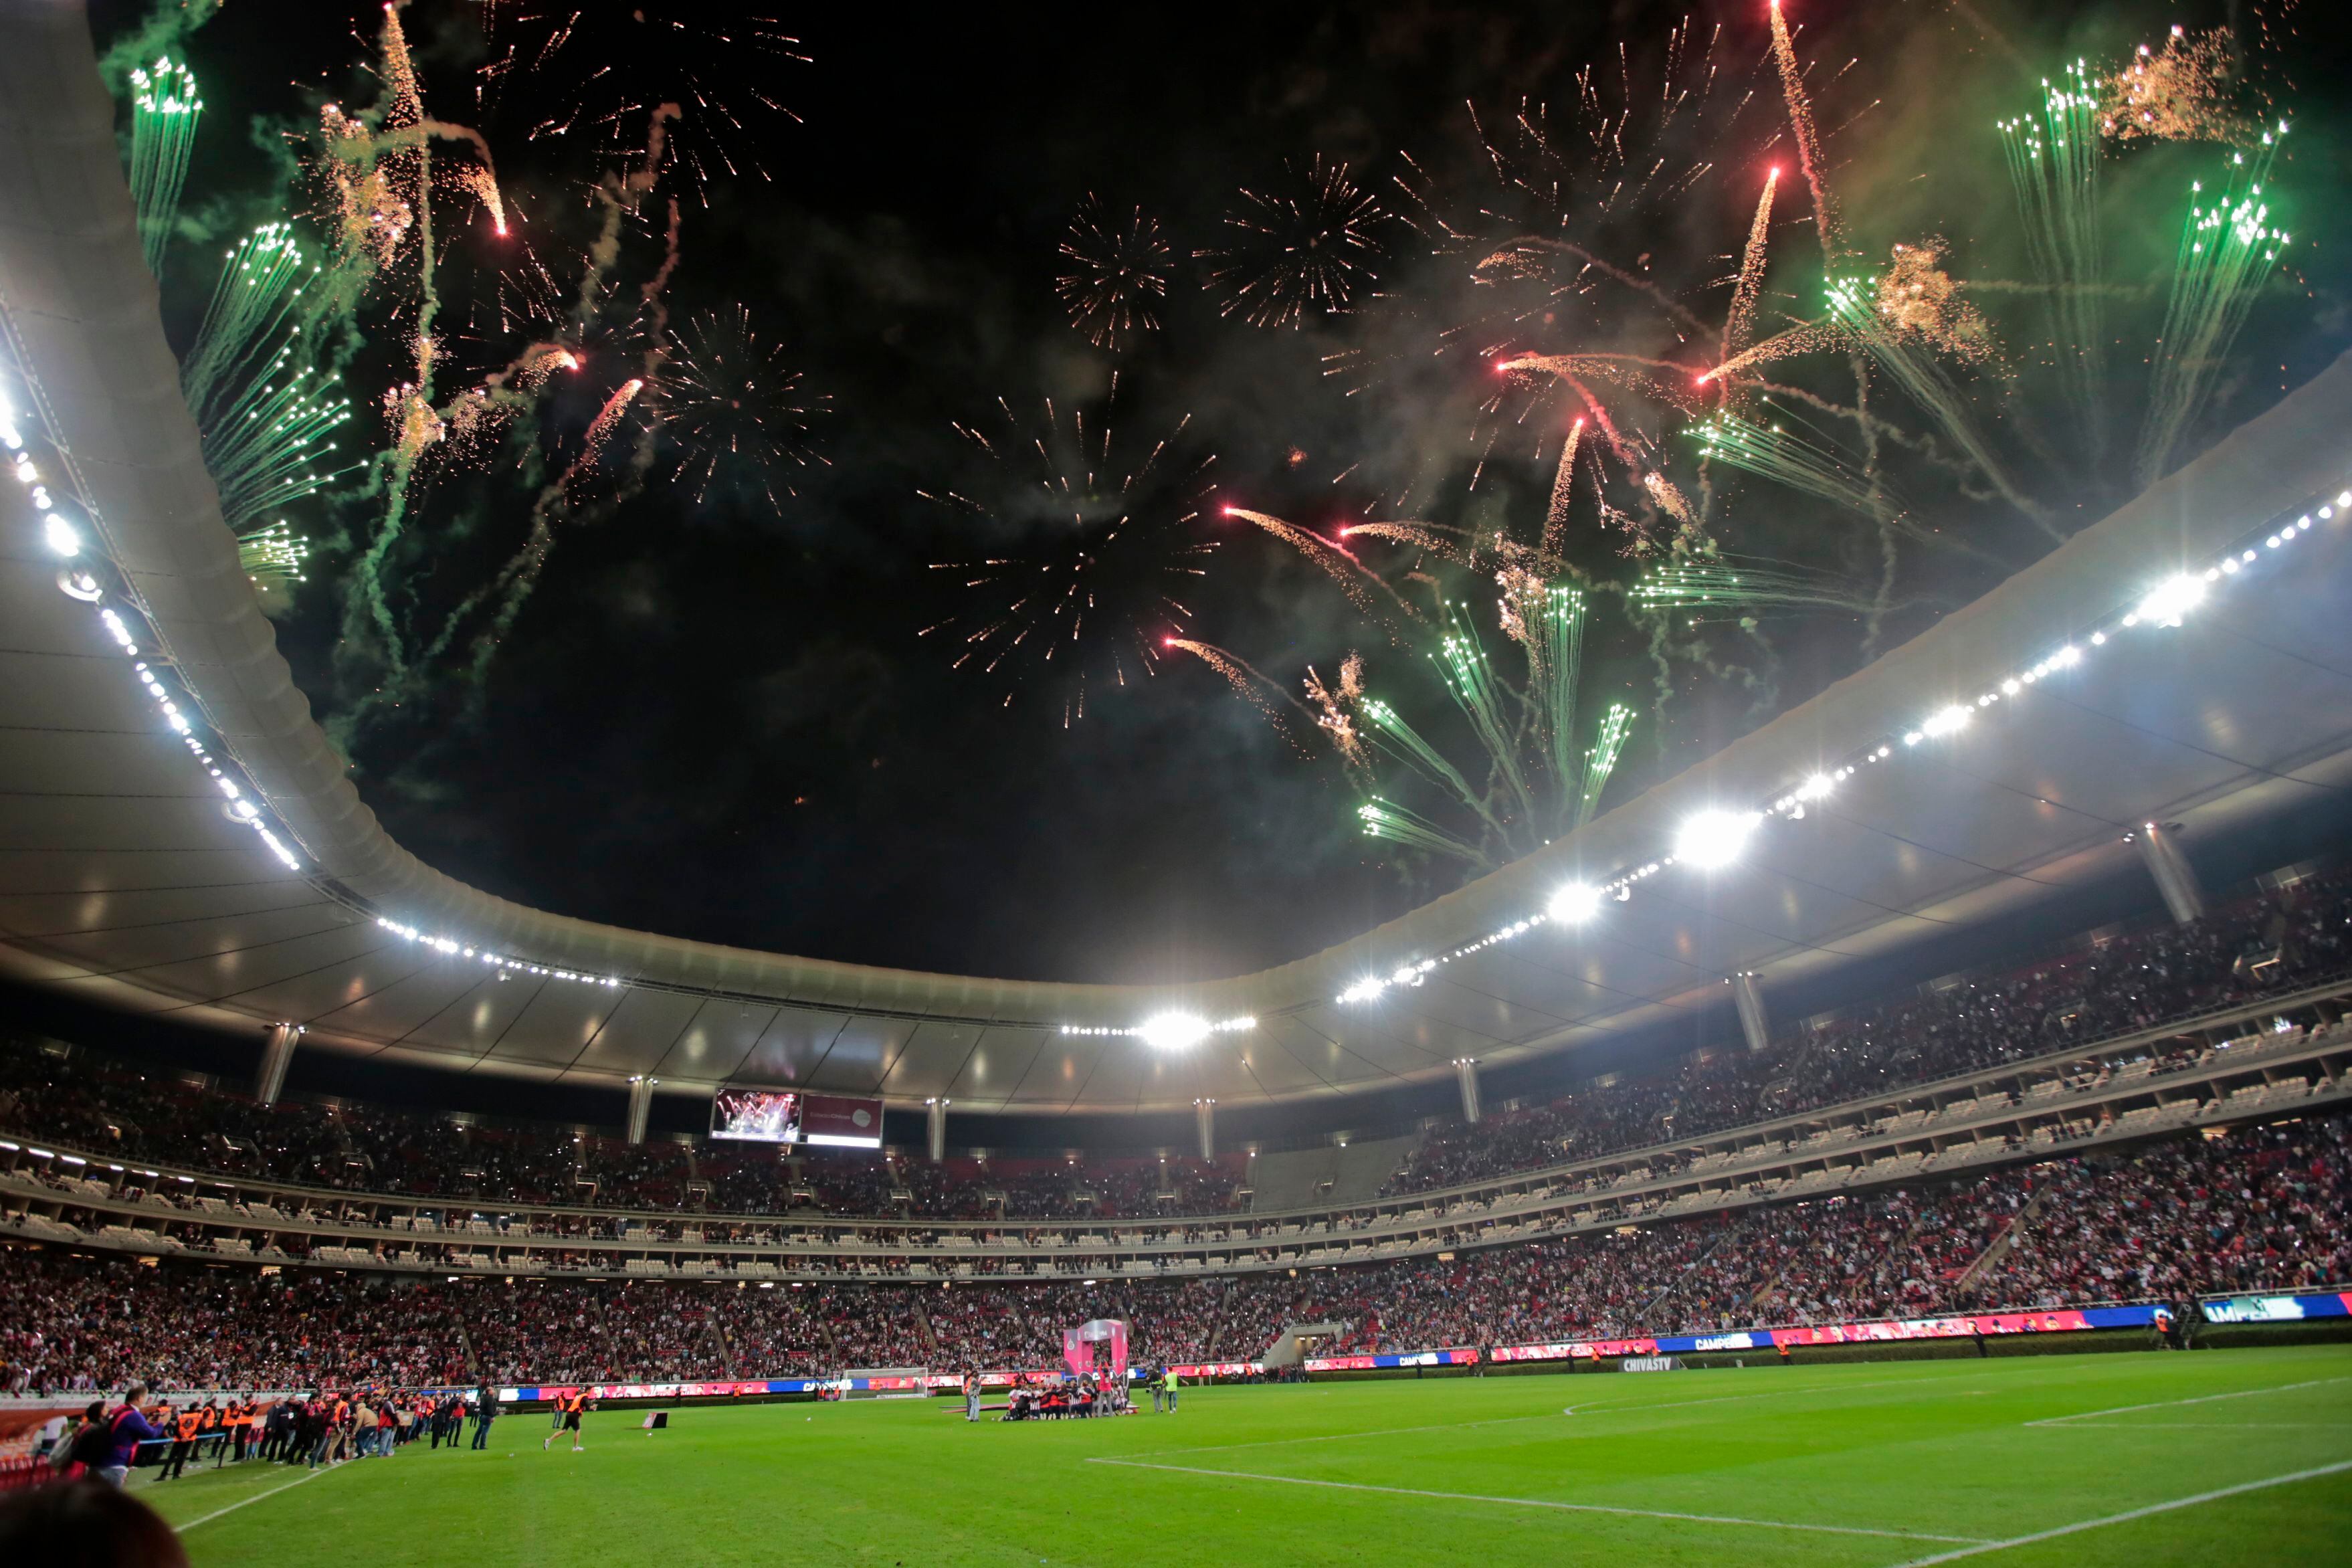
[[1575, 904], [1714, 839]]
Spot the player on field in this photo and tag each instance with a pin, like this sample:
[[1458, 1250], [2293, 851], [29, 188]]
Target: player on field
[[570, 1408]]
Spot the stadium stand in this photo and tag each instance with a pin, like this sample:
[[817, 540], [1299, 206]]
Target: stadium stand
[[2262, 1209], [2274, 944], [2179, 1160]]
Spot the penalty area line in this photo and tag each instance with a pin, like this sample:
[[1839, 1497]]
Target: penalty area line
[[2130, 1514], [1975, 1540], [2176, 1404]]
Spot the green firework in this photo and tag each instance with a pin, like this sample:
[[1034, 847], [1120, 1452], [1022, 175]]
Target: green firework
[[164, 109], [2054, 167], [2229, 245]]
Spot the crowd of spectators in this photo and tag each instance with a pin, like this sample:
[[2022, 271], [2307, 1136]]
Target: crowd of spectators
[[2262, 1209], [73, 1323], [2264, 946]]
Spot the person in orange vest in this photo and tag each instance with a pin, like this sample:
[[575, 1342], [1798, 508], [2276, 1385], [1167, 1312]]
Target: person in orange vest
[[186, 1424], [571, 1406]]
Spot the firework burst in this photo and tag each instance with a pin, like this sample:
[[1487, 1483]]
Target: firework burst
[[608, 66], [1300, 249], [1091, 550], [732, 409], [2179, 93], [1116, 273]]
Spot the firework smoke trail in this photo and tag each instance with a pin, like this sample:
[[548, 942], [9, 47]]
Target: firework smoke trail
[[1385, 819], [1862, 308], [1660, 380], [1563, 485], [1514, 258], [383, 177], [1248, 682], [1398, 740], [1741, 586], [1118, 268], [1454, 544], [1356, 581], [1468, 675], [2228, 247], [1769, 452], [1804, 338], [600, 428], [521, 575], [164, 109], [1739, 321], [1809, 140], [2053, 167]]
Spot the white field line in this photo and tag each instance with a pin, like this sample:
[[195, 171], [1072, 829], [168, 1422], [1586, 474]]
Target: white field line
[[2220, 1426], [2130, 1514], [1545, 1502], [2174, 1403], [1606, 1407], [257, 1496]]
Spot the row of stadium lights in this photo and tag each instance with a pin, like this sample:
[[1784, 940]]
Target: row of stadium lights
[[79, 580], [452, 947], [1707, 841], [1714, 839]]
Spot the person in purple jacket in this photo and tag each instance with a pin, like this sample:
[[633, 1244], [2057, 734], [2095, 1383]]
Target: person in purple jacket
[[126, 1430]]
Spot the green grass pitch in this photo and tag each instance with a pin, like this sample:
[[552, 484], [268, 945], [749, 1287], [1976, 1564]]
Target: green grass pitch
[[2129, 1459]]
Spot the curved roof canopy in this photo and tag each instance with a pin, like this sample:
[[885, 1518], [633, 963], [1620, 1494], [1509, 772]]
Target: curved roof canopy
[[127, 877]]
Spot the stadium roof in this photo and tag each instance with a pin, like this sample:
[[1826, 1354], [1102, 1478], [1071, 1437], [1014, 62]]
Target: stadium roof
[[128, 878]]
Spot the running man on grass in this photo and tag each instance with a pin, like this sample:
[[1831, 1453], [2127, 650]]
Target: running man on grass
[[569, 1408]]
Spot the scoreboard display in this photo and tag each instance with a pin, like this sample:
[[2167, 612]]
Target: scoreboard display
[[788, 1116]]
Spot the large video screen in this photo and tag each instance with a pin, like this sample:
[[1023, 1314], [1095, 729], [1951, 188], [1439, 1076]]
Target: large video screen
[[758, 1115], [787, 1116]]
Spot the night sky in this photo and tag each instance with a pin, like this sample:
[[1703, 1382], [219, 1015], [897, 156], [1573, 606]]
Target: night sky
[[715, 718]]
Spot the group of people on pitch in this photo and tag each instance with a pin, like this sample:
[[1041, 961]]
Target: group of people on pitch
[[1067, 1397], [326, 1428]]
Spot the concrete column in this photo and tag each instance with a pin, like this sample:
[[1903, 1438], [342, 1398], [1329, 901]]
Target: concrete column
[[270, 1077], [641, 1106], [1204, 1115], [1754, 1022], [2175, 878], [1466, 1075], [935, 1126]]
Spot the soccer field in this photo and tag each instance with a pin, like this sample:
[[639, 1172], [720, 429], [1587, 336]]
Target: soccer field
[[2216, 1458]]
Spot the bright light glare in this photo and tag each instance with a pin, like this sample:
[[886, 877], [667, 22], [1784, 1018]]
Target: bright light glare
[[1575, 904], [1816, 787], [1714, 838], [1173, 1031], [1954, 717], [62, 537], [2172, 599]]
